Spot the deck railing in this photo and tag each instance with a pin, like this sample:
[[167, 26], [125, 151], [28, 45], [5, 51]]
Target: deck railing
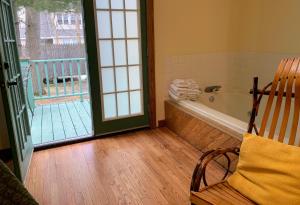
[[55, 78]]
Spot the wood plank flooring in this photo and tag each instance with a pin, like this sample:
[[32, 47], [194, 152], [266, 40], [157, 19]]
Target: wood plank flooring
[[53, 122], [144, 167]]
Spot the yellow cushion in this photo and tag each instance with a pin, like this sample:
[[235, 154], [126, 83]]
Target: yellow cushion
[[268, 172]]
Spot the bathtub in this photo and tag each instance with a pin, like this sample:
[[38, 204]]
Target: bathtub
[[216, 118], [227, 111]]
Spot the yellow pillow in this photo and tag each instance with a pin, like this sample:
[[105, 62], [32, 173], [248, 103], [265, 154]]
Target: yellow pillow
[[268, 172]]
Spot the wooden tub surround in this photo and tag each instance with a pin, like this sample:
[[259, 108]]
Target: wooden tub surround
[[198, 132]]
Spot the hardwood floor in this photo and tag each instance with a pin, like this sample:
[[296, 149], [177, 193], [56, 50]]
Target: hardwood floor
[[144, 167]]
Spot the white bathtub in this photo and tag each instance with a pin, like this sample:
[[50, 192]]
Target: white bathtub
[[229, 111]]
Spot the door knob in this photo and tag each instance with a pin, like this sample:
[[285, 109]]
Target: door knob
[[6, 65], [12, 83]]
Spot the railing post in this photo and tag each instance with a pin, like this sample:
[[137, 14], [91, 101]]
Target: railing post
[[63, 76], [47, 78], [37, 71], [55, 78], [71, 75], [80, 82]]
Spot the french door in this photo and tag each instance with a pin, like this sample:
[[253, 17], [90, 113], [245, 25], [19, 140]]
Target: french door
[[12, 92], [117, 53]]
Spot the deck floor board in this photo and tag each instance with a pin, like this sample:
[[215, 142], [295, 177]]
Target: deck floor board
[[36, 126], [83, 115], [47, 125], [68, 124], [61, 121], [79, 126], [87, 107], [58, 129]]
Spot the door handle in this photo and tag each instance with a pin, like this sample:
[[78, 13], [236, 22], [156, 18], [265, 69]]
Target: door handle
[[5, 65], [12, 83]]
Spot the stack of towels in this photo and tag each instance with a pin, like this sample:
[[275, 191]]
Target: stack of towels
[[184, 89]]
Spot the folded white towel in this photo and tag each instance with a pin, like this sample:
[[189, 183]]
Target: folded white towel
[[193, 92], [178, 93], [186, 83], [178, 89], [180, 83], [194, 86], [175, 97], [184, 89], [175, 81], [190, 81]]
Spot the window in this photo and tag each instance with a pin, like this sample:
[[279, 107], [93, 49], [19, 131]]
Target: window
[[73, 19], [66, 19], [79, 19], [59, 18]]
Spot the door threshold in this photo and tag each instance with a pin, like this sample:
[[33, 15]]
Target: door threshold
[[63, 142], [84, 138]]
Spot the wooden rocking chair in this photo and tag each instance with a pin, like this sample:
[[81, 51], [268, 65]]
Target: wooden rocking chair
[[285, 84]]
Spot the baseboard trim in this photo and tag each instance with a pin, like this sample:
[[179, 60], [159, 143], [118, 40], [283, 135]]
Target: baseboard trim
[[162, 123]]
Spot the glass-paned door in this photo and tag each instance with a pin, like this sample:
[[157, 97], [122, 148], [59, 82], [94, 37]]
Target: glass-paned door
[[122, 64], [13, 93]]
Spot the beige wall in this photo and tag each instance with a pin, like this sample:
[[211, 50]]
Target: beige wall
[[271, 26], [185, 33], [270, 31], [225, 42]]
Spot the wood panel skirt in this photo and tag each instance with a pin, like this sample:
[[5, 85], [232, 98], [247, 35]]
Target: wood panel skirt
[[199, 133]]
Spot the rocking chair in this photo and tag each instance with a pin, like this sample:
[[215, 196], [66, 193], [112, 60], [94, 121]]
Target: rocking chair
[[286, 84]]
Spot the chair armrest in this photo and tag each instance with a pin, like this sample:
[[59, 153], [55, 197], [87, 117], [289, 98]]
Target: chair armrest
[[205, 159]]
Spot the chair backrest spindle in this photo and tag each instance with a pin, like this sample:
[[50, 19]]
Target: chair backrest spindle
[[282, 85], [296, 110], [286, 85]]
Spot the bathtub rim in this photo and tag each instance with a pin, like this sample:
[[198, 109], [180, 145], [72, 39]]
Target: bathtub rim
[[223, 122]]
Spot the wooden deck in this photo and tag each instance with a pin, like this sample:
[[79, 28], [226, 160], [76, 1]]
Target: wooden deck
[[56, 122]]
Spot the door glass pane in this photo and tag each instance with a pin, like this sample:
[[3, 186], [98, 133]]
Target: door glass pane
[[106, 57], [110, 110], [133, 52], [131, 24], [135, 102], [118, 24], [102, 4], [123, 104], [134, 78], [108, 84], [120, 58], [130, 4], [103, 24], [120, 52], [121, 79], [117, 4]]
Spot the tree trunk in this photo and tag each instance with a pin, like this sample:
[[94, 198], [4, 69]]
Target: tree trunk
[[17, 24], [33, 42], [33, 33]]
